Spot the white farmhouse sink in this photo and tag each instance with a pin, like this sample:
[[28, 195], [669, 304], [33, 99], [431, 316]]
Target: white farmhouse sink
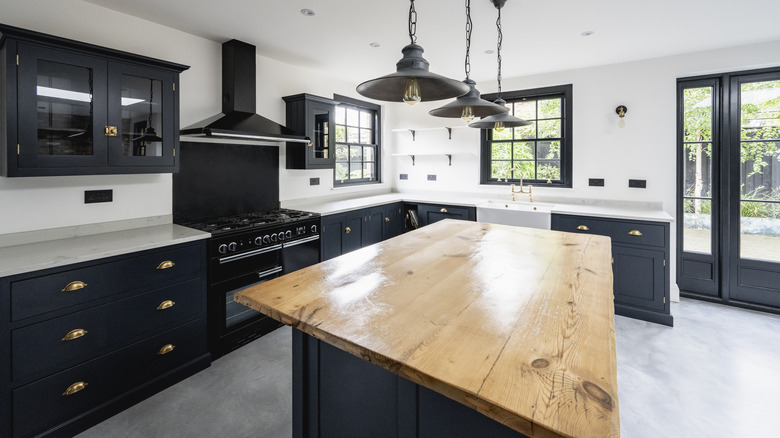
[[520, 214]]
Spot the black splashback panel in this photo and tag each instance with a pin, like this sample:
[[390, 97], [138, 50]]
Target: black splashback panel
[[219, 179]]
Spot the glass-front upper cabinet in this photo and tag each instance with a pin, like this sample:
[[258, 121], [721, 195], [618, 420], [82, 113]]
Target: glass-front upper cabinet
[[78, 109], [314, 117]]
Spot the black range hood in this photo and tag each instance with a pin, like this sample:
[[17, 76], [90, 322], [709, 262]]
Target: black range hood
[[238, 119]]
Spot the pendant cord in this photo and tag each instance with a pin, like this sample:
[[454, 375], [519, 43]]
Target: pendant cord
[[469, 25], [412, 23], [498, 51]]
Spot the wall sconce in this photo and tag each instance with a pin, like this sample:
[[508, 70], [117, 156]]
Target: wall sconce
[[621, 112]]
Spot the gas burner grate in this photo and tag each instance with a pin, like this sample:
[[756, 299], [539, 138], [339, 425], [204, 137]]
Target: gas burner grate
[[250, 220]]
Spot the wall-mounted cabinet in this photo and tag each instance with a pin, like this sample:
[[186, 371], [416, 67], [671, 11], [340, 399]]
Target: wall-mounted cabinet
[[314, 117], [75, 109]]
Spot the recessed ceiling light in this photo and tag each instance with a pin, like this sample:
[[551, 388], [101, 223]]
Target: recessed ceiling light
[[373, 44], [489, 52], [308, 12], [587, 33]]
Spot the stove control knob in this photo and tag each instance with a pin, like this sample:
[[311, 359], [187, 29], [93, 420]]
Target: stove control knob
[[258, 240], [288, 234], [222, 249], [313, 228], [266, 239], [232, 246], [273, 237], [281, 235]]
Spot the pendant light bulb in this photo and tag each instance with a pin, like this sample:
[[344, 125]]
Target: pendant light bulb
[[468, 114], [412, 91], [499, 126]]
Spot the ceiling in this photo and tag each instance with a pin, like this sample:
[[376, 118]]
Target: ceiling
[[538, 36]]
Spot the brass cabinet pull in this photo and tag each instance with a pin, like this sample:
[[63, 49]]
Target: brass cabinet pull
[[166, 349], [165, 265], [167, 304], [635, 233], [387, 219], [583, 228], [111, 131], [74, 388], [74, 285], [443, 210], [348, 230], [74, 334]]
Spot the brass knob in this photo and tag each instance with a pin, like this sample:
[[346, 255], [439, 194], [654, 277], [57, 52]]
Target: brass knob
[[387, 219], [348, 230], [635, 233], [583, 228], [165, 265], [111, 131], [167, 304], [166, 349], [443, 210], [74, 334], [74, 285], [74, 388]]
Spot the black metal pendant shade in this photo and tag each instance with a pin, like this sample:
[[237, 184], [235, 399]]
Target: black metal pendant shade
[[499, 121], [149, 136], [479, 107], [412, 67]]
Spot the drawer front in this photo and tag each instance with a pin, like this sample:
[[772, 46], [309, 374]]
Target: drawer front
[[43, 294], [622, 231], [41, 405], [44, 346], [429, 213]]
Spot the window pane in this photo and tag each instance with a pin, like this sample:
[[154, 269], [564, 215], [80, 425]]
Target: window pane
[[342, 152], [341, 134], [760, 231], [136, 116], [355, 153], [353, 135], [698, 170], [549, 108], [528, 131], [524, 150], [697, 225], [368, 171], [368, 154], [501, 151], [342, 171], [549, 128], [548, 150], [548, 170], [499, 169], [760, 110], [352, 117], [526, 109], [366, 136], [697, 114], [356, 170], [504, 134], [366, 119], [526, 170]]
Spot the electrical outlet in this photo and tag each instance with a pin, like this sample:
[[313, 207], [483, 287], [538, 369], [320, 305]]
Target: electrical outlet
[[94, 196], [403, 176], [637, 183], [314, 181], [431, 177], [596, 182]]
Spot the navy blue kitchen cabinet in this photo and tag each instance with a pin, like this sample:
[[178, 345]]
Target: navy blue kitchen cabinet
[[85, 341], [314, 117], [345, 232], [640, 263], [393, 220], [430, 213], [73, 108]]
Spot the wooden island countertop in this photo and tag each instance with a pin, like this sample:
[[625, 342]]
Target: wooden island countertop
[[515, 323]]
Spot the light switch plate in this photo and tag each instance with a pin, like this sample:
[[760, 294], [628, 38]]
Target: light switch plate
[[637, 183], [403, 176], [95, 196], [596, 182], [431, 177], [314, 181]]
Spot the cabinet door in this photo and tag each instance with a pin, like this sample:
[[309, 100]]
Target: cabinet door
[[320, 127], [638, 277], [373, 228], [352, 232], [61, 101], [141, 105], [392, 222], [331, 236]]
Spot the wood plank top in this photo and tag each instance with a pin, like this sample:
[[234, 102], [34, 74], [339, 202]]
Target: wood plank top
[[514, 322]]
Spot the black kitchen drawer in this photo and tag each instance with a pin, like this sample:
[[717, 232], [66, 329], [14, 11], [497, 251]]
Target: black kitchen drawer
[[620, 231], [42, 405], [430, 213], [43, 294], [39, 347]]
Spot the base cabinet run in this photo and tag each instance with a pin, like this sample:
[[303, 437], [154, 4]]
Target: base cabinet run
[[640, 268], [345, 232], [86, 341]]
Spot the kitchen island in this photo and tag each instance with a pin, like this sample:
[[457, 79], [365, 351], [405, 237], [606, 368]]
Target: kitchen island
[[395, 339]]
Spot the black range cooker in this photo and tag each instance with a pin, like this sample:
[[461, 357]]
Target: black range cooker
[[231, 191]]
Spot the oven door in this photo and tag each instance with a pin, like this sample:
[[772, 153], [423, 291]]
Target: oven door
[[298, 254]]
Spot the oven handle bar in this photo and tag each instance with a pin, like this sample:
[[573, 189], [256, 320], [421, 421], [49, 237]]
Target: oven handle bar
[[274, 270], [249, 254], [301, 241]]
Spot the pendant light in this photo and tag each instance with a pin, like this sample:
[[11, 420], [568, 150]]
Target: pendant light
[[149, 135], [506, 120], [412, 82], [471, 104]]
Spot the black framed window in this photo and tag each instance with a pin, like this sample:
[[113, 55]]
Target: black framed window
[[358, 149], [540, 153]]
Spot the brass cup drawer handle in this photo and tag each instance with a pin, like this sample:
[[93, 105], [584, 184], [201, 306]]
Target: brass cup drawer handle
[[443, 210], [74, 388], [167, 304], [165, 265], [635, 233], [74, 285], [348, 230], [74, 334], [583, 228], [166, 349]]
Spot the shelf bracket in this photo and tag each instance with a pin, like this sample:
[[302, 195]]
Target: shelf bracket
[[449, 156], [414, 134], [449, 131], [412, 157]]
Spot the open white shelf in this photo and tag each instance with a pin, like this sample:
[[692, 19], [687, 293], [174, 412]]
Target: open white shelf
[[414, 131], [412, 156]]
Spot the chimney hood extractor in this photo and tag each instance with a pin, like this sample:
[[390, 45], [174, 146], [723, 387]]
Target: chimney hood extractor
[[238, 120]]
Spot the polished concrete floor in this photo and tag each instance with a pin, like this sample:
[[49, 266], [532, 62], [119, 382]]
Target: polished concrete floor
[[715, 374]]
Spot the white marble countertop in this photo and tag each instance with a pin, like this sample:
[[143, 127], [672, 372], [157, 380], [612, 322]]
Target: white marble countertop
[[28, 257], [588, 207]]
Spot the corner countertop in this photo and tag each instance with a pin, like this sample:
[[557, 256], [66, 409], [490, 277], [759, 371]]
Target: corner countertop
[[585, 207], [514, 322], [24, 257]]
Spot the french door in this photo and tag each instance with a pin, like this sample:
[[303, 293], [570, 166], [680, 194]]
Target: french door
[[728, 226]]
